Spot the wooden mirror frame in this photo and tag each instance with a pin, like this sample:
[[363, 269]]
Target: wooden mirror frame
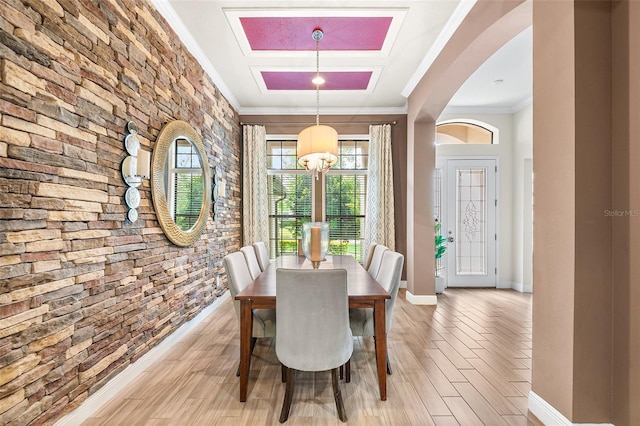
[[171, 131]]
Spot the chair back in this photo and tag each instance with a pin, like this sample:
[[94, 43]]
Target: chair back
[[312, 319], [238, 275], [262, 254], [389, 277], [367, 262], [376, 260], [252, 261]]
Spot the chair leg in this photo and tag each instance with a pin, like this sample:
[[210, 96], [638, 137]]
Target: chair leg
[[253, 345], [347, 369], [288, 395], [342, 414], [283, 372], [341, 372]]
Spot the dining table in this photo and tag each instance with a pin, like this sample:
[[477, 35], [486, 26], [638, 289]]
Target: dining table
[[363, 291]]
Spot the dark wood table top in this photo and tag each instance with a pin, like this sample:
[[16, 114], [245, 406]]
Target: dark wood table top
[[360, 285]]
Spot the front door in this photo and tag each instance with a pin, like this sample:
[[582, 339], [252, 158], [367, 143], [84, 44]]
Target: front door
[[469, 222]]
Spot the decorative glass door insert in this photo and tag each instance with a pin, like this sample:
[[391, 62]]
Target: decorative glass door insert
[[470, 223]]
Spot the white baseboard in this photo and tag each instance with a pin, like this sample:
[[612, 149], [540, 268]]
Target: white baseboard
[[421, 299], [522, 288], [505, 284], [549, 415], [96, 401], [403, 283]]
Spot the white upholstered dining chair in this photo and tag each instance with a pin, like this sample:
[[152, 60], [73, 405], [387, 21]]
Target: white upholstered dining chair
[[238, 277], [252, 261], [262, 254], [376, 259], [361, 319], [312, 316]]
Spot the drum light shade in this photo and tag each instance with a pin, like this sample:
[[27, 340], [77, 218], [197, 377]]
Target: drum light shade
[[318, 148]]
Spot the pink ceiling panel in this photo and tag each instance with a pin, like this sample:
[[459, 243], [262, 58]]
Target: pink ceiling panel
[[349, 80], [294, 33]]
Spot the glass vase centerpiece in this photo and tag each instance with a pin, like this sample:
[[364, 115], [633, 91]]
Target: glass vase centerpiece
[[315, 242]]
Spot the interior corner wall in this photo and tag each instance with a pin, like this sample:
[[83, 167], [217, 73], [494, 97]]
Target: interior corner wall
[[420, 222], [554, 198], [84, 292], [572, 308], [626, 226]]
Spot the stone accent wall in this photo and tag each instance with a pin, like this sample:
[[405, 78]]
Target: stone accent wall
[[84, 292]]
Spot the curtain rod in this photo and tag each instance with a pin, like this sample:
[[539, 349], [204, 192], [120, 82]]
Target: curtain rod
[[335, 123]]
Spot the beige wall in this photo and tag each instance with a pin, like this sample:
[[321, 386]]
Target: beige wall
[[586, 327], [626, 198]]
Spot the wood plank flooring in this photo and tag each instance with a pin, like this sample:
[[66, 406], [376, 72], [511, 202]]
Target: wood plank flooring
[[466, 361]]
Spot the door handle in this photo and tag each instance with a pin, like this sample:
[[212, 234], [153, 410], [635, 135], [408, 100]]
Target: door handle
[[450, 239]]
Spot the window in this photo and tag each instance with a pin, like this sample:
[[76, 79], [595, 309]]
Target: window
[[290, 197], [468, 132], [346, 198], [186, 186]]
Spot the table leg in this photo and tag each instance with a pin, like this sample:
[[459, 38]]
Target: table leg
[[246, 323], [380, 331]]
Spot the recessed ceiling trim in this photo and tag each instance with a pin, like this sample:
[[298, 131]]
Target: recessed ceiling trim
[[296, 80], [257, 77], [233, 16], [311, 111]]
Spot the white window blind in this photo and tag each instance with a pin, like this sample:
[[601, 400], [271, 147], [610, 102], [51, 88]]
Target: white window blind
[[290, 197], [346, 196], [187, 185]]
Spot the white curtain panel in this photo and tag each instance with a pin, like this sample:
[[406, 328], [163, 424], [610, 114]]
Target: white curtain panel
[[380, 221], [255, 196]]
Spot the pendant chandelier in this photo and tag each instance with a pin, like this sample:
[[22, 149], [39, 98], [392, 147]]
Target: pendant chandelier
[[317, 145]]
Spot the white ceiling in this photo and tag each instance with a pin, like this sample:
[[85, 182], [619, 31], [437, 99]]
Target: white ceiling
[[503, 84], [420, 29]]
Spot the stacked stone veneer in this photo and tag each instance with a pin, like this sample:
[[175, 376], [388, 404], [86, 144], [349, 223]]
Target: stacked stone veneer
[[84, 292]]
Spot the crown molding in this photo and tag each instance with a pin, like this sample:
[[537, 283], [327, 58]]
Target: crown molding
[[323, 111]]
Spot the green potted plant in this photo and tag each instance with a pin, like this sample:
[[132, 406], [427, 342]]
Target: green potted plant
[[440, 249]]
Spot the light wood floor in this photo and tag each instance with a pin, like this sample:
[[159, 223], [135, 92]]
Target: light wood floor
[[465, 361]]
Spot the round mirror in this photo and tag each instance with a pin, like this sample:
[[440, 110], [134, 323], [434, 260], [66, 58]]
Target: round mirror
[[180, 183]]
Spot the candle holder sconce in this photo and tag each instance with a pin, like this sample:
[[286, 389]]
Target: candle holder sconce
[[315, 242], [135, 168]]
